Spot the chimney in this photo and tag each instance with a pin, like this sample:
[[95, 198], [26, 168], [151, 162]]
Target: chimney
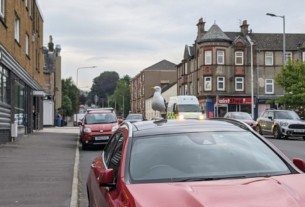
[[244, 28], [200, 26]]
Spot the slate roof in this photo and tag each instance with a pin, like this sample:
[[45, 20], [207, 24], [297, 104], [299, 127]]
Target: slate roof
[[215, 34], [273, 41], [188, 52], [162, 65]]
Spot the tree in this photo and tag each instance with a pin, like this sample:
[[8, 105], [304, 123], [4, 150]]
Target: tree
[[103, 86], [122, 91], [291, 78], [70, 91]]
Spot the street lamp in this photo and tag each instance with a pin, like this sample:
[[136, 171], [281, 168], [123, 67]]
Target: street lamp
[[252, 92], [79, 69], [284, 44]]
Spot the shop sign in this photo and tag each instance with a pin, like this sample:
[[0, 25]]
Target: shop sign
[[234, 101]]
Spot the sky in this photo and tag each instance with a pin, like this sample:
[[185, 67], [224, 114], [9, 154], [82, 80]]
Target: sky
[[128, 36]]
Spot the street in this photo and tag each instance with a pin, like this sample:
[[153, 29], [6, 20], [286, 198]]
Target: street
[[38, 170]]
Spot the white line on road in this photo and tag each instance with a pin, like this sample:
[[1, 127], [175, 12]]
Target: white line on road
[[74, 195]]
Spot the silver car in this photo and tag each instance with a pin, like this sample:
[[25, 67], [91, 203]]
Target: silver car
[[281, 124]]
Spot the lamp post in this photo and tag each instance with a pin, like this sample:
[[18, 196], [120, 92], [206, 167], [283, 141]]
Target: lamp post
[[284, 41], [252, 92], [123, 107], [79, 69]]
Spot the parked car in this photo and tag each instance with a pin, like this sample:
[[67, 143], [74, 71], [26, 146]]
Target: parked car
[[216, 162], [281, 124], [135, 117], [241, 116], [97, 127]]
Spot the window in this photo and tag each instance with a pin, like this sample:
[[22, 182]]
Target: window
[[239, 83], [269, 86], [220, 83], [288, 56], [207, 83], [269, 58], [208, 57], [303, 56], [2, 8], [185, 89], [239, 58], [185, 68], [17, 28], [26, 3], [220, 57], [4, 83], [27, 44]]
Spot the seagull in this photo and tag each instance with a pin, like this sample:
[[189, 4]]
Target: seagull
[[158, 102]]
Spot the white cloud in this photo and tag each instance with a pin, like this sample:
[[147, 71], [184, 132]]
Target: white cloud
[[129, 35]]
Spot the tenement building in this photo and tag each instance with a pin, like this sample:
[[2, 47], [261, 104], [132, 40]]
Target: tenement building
[[21, 68], [227, 70]]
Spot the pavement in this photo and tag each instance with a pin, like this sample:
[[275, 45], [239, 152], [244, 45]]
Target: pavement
[[40, 169]]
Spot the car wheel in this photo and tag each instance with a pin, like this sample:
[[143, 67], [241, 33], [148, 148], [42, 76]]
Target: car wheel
[[259, 129], [277, 133], [84, 146], [304, 137]]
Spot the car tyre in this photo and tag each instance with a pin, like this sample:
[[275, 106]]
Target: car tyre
[[259, 129], [84, 146], [304, 137], [277, 133]]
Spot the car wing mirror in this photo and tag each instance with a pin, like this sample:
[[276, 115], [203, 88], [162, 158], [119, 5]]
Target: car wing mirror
[[106, 178], [270, 117], [299, 163]]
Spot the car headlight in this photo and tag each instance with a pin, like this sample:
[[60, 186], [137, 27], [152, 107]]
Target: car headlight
[[284, 124], [87, 130], [114, 128], [180, 117], [201, 117]]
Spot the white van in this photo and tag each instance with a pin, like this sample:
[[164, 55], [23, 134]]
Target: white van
[[184, 107]]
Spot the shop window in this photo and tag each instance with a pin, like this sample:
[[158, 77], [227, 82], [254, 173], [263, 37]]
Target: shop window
[[19, 102], [4, 85]]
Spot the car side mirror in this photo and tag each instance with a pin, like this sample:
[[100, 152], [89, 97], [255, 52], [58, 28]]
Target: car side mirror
[[299, 163], [106, 177], [270, 117]]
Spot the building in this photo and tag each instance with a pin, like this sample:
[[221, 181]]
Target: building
[[52, 102], [217, 68], [160, 74], [21, 69]]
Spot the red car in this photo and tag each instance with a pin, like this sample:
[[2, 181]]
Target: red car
[[179, 163], [241, 116], [97, 127]]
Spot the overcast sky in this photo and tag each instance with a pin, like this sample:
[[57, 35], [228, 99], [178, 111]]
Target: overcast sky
[[128, 36]]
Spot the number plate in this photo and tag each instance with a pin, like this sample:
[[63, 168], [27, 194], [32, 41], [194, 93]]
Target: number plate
[[299, 130], [102, 138]]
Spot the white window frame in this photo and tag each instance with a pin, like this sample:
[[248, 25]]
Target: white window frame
[[27, 44], [26, 3], [221, 81], [17, 29], [185, 68], [2, 8], [288, 56], [268, 83], [268, 58], [239, 57], [185, 89], [208, 57], [239, 83], [303, 56], [220, 57], [207, 84]]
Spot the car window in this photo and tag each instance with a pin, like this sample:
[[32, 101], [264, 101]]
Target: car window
[[205, 155], [109, 148], [116, 157], [286, 115], [100, 118]]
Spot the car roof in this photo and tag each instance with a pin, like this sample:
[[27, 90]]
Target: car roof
[[99, 111], [187, 125]]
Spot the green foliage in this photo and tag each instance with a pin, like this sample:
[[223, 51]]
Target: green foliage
[[121, 92], [291, 78], [71, 92], [103, 86]]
